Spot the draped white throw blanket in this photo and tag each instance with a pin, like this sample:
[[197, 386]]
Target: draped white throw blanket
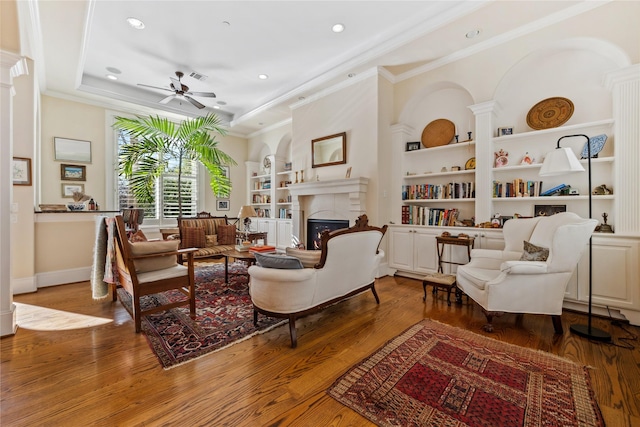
[[103, 262]]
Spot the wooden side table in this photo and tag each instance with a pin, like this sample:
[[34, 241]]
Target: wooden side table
[[441, 241], [252, 236], [446, 281]]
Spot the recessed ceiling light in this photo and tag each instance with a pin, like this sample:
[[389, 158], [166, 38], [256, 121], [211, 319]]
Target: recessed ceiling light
[[300, 98], [337, 28], [471, 34], [113, 70], [263, 76], [217, 107], [221, 103], [227, 23], [111, 77], [351, 75], [260, 123], [135, 23]]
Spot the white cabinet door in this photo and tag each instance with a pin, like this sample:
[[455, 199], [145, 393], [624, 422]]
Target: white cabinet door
[[401, 248], [283, 239], [425, 251]]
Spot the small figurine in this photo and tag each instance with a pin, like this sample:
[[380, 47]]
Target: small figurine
[[457, 136], [604, 228], [602, 190], [527, 160], [502, 158]]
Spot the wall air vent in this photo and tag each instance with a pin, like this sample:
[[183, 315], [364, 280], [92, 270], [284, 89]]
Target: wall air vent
[[198, 76]]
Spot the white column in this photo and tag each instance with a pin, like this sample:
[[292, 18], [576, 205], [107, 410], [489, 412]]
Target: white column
[[401, 134], [11, 66], [484, 113], [625, 89]]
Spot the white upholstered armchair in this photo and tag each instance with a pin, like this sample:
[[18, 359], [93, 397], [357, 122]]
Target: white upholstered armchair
[[502, 281], [348, 264]]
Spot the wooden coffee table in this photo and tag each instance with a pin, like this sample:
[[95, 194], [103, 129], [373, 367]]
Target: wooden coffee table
[[245, 256]]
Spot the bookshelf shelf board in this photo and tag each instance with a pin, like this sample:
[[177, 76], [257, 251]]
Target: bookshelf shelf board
[[264, 190], [260, 176], [284, 173], [284, 204], [427, 201], [441, 148], [581, 127], [430, 175], [261, 204], [539, 165], [282, 188], [551, 199]]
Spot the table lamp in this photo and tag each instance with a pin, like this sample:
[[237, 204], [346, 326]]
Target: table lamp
[[559, 162], [247, 212]]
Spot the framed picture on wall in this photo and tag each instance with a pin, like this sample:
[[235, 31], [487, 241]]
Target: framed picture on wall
[[73, 172], [21, 172], [72, 150], [69, 189], [223, 205], [505, 131]]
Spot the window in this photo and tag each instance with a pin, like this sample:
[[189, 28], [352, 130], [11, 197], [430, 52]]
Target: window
[[165, 204]]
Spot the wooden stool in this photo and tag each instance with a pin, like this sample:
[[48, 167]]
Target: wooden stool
[[439, 280]]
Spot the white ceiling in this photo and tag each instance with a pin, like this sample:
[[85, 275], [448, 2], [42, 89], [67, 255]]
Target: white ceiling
[[231, 42]]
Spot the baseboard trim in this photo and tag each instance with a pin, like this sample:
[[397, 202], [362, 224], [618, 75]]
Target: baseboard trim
[[61, 277]]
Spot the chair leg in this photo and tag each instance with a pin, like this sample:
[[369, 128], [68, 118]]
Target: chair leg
[[137, 318], [375, 294], [292, 331], [449, 297], [557, 324]]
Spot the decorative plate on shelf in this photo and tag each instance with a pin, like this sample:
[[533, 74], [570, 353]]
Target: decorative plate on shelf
[[471, 164], [550, 113], [596, 143], [266, 162], [438, 132]]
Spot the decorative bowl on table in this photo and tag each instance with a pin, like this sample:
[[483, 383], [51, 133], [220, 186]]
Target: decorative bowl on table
[[76, 206]]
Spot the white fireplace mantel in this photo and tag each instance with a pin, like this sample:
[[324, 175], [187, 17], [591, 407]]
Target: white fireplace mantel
[[333, 199]]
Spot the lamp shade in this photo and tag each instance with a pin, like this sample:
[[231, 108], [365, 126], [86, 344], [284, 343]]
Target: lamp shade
[[247, 212], [560, 161]]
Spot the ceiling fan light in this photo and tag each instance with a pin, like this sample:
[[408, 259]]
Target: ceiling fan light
[[135, 23]]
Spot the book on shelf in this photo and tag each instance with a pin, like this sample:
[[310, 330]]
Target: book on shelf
[[452, 190], [516, 188], [553, 190], [423, 215]]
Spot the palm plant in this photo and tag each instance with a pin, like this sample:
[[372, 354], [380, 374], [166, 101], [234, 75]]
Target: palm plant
[[154, 141]]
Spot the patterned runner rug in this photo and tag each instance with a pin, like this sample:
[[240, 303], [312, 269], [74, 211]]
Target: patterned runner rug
[[437, 375], [224, 316]]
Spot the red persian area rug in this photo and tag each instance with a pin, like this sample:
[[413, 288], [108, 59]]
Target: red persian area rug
[[438, 375], [224, 316]]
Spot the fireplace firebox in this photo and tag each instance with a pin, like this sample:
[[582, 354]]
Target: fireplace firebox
[[315, 227]]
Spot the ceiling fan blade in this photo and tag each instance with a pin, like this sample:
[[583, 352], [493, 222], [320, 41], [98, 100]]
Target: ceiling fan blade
[[194, 102], [204, 94], [167, 99], [178, 85], [156, 87]]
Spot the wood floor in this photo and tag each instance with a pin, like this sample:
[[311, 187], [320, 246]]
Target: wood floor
[[77, 362]]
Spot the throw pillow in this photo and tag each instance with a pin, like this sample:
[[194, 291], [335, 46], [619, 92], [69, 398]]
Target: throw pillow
[[534, 253], [226, 234], [308, 258], [138, 236], [193, 237], [278, 261], [212, 239], [158, 263]]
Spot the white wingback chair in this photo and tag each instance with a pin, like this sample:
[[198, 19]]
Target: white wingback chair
[[500, 282]]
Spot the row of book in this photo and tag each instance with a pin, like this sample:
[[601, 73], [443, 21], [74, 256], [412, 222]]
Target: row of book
[[423, 215], [261, 198], [452, 190], [263, 213], [522, 188], [284, 213]]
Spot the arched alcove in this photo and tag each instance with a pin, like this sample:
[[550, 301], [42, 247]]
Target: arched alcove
[[283, 151], [441, 100], [573, 69]]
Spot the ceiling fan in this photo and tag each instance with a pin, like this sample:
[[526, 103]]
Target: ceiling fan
[[181, 91]]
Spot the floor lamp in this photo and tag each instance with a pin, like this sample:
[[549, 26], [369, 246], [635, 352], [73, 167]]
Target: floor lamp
[[558, 162]]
